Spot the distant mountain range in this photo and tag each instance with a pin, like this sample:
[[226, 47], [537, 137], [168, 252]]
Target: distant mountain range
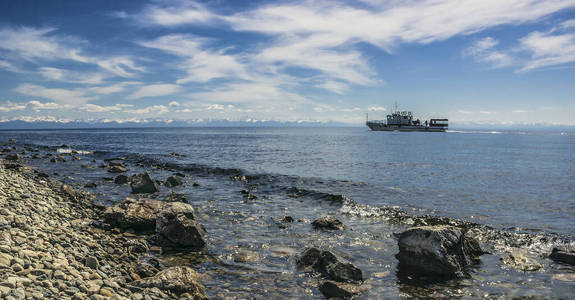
[[19, 124], [33, 125]]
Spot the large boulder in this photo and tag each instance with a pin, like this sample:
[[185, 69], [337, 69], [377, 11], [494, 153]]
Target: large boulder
[[441, 250], [176, 226], [132, 213], [13, 157], [177, 280], [143, 183], [121, 179], [329, 265], [563, 256]]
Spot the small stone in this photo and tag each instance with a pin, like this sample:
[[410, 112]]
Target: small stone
[[173, 181], [106, 292], [117, 169], [332, 289], [59, 275], [92, 262]]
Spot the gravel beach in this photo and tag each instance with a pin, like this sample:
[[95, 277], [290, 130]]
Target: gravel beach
[[51, 248]]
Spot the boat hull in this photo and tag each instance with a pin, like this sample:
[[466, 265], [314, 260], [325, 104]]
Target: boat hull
[[385, 127]]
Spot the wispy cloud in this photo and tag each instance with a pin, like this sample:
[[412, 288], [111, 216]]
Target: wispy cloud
[[63, 96], [154, 90], [484, 51], [39, 45], [548, 49], [93, 108], [199, 62]]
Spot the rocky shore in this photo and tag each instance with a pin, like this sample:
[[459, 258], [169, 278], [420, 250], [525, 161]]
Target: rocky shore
[[51, 248]]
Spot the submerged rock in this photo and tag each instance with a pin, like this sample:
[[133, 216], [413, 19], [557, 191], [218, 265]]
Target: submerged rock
[[441, 250], [173, 181], [328, 222], [121, 179], [176, 197], [329, 265], [132, 213], [143, 183], [176, 226], [563, 256], [91, 185], [178, 280], [117, 169], [332, 289], [520, 260], [13, 157]]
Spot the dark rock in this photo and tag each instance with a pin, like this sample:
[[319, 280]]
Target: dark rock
[[329, 265], [108, 178], [6, 150], [332, 289], [441, 250], [287, 219], [121, 179], [563, 256], [195, 183], [64, 146], [328, 222], [114, 163], [173, 181], [176, 197], [174, 154], [143, 183], [91, 185], [114, 158], [147, 266], [178, 280], [176, 226], [117, 169], [136, 214], [35, 156], [91, 262], [13, 157], [68, 191], [180, 174], [43, 175]]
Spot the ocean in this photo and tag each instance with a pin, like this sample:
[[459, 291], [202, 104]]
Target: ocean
[[516, 189]]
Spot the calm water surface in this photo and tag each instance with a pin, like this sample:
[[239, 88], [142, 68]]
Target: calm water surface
[[518, 187]]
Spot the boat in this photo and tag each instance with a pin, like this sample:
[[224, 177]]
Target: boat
[[404, 121]]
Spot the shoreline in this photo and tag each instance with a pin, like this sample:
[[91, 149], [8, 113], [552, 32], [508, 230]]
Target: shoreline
[[50, 247]]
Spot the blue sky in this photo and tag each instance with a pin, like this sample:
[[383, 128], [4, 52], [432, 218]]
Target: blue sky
[[486, 62]]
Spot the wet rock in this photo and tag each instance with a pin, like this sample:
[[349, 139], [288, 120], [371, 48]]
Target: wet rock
[[115, 163], [195, 184], [121, 179], [332, 289], [180, 174], [43, 175], [143, 183], [175, 279], [173, 181], [520, 260], [563, 256], [329, 265], [147, 267], [287, 219], [91, 185], [176, 197], [245, 256], [174, 154], [441, 250], [13, 157], [132, 213], [328, 222], [117, 169], [176, 226]]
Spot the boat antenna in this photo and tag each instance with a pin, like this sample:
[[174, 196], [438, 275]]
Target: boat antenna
[[366, 117], [395, 105]]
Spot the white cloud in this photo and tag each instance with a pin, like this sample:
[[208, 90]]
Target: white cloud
[[155, 109], [188, 12], [518, 111], [43, 44], [200, 63], [486, 112], [37, 105], [377, 108], [57, 74], [464, 112], [334, 86], [93, 108], [62, 96], [484, 51], [174, 104], [568, 23], [10, 106], [548, 50], [155, 90]]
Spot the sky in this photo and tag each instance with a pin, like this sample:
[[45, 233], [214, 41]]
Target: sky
[[480, 62]]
